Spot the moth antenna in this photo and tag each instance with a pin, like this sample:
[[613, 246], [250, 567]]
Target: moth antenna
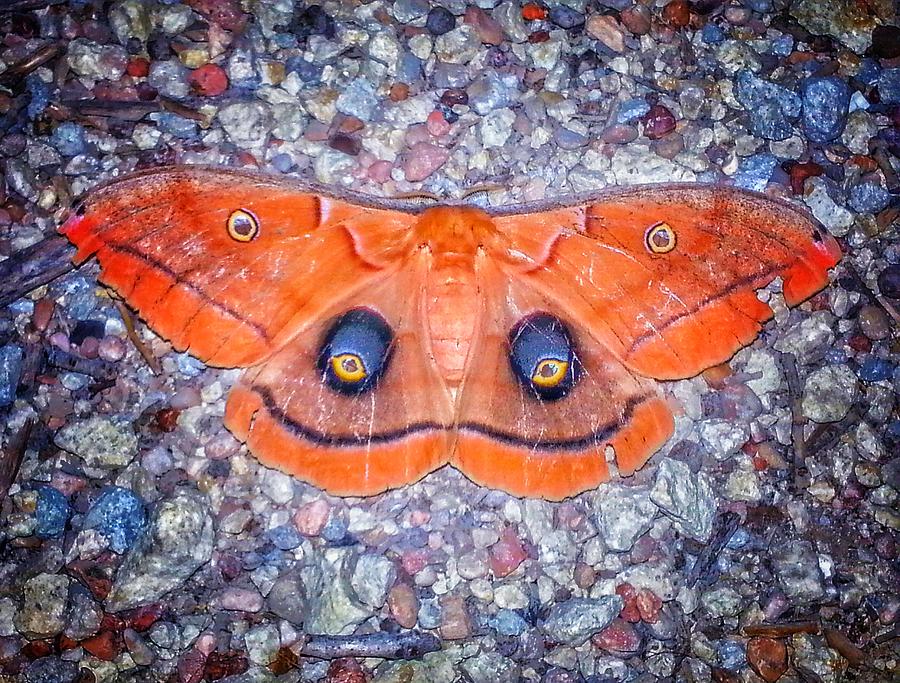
[[420, 196], [484, 188]]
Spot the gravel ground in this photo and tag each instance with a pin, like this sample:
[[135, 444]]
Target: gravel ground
[[140, 542]]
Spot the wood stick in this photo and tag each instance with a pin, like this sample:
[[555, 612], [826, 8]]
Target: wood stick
[[34, 266], [404, 645]]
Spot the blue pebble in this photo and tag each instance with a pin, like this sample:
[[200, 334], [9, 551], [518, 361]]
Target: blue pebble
[[52, 512], [429, 613], [889, 86], [869, 71], [282, 163], [869, 198], [285, 537], [712, 34], [307, 71], [68, 138], [335, 530], [826, 103], [761, 6], [439, 21], [188, 365], [40, 95], [177, 126], [508, 623], [783, 45], [565, 17], [732, 655], [631, 110], [12, 359], [874, 369], [771, 108], [739, 539], [835, 356], [754, 172], [119, 515]]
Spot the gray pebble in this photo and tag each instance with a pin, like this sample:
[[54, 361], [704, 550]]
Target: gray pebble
[[826, 103], [574, 621]]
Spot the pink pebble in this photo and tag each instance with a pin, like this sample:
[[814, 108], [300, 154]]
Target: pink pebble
[[422, 160], [222, 445], [240, 599], [415, 560], [507, 553], [111, 349], [186, 397], [618, 637], [380, 171], [437, 125], [311, 518]]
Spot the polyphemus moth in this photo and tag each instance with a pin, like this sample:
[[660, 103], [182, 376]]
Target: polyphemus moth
[[383, 339]]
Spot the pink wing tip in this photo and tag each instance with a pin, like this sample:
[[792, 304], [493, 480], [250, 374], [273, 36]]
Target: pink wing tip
[[810, 273]]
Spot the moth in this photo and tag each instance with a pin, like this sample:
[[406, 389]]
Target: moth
[[382, 339]]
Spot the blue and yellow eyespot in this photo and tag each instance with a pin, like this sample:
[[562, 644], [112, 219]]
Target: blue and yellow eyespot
[[348, 367], [355, 351], [542, 356], [550, 373], [242, 226]]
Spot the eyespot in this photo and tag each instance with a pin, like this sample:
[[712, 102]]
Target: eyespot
[[355, 351], [242, 226], [542, 356], [660, 238], [550, 372]]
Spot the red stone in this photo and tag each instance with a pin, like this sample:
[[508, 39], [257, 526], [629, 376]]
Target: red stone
[[399, 92], [619, 637], [222, 664], [767, 657], [415, 560], [630, 611], [345, 670], [507, 553], [437, 125], [677, 13], [225, 13], [648, 604], [403, 605], [533, 12], [138, 67], [539, 37], [800, 172], [37, 649], [142, 618], [106, 645], [658, 122], [860, 343], [166, 419], [96, 577], [190, 666], [209, 80]]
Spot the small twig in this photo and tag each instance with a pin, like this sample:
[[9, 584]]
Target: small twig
[[726, 525], [94, 367], [782, 630], [22, 68], [11, 456], [151, 360], [405, 645], [798, 421], [34, 266], [844, 646]]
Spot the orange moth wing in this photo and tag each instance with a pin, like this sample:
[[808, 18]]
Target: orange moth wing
[[384, 340]]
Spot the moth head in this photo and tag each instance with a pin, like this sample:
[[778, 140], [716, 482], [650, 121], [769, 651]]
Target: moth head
[[542, 356], [355, 351]]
